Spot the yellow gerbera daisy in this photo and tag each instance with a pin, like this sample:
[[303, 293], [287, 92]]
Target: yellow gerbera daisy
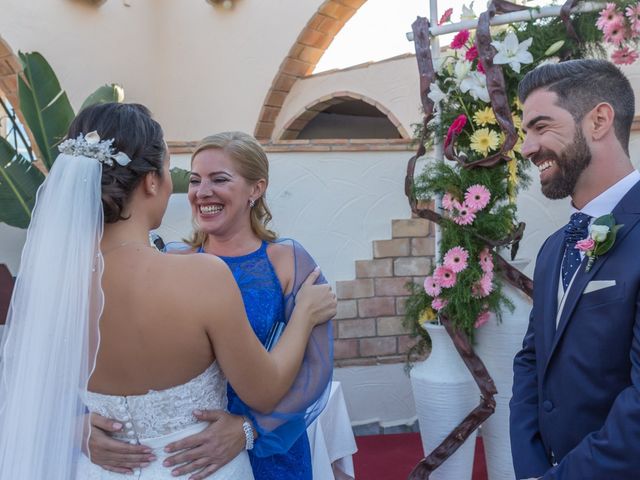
[[517, 122], [427, 315], [517, 148], [484, 140], [484, 117], [513, 177], [517, 104]]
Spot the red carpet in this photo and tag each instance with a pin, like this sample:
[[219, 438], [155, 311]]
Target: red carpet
[[393, 456]]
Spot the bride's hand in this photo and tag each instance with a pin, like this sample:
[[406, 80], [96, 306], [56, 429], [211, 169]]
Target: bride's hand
[[114, 455], [318, 301]]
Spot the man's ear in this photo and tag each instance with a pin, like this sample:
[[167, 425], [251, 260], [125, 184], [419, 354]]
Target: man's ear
[[150, 183], [600, 121]]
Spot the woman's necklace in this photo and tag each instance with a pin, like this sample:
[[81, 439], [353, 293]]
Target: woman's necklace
[[124, 244]]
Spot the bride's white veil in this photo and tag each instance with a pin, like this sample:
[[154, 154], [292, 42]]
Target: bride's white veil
[[49, 346]]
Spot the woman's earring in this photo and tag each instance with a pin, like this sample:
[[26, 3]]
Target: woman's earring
[[252, 202]]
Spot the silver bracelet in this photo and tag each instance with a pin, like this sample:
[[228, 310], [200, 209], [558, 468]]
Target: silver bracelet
[[248, 434]]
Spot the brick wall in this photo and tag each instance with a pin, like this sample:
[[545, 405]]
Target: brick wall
[[368, 327]]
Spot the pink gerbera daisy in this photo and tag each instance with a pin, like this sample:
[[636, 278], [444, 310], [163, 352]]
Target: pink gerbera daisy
[[615, 32], [482, 319], [607, 15], [624, 56], [431, 286], [448, 201], [486, 284], [486, 260], [460, 39], [456, 259], [465, 216], [633, 14], [445, 277], [438, 304], [477, 197]]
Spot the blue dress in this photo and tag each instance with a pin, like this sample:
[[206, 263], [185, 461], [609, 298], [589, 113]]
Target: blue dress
[[264, 303]]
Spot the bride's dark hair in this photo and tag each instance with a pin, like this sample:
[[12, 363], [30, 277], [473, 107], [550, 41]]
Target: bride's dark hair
[[135, 133]]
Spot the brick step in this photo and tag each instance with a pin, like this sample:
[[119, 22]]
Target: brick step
[[368, 326], [414, 227]]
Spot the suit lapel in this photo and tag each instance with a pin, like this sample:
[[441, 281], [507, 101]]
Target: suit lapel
[[626, 213], [553, 263]]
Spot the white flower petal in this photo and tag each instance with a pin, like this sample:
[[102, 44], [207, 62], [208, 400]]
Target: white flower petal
[[122, 159], [92, 138]]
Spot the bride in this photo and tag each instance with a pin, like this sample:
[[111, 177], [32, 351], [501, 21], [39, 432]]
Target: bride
[[171, 328]]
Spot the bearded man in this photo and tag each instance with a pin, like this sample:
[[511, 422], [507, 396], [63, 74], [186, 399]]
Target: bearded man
[[575, 410]]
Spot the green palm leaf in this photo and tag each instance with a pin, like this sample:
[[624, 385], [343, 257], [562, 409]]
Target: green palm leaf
[[180, 179], [19, 182], [44, 104], [105, 94]]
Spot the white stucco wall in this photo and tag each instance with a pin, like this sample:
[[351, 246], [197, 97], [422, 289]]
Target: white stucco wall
[[200, 69], [392, 83]]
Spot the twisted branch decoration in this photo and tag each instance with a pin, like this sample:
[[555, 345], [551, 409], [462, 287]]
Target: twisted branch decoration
[[499, 101]]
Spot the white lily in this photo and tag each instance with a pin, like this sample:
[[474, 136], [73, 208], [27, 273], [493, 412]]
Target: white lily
[[435, 94], [467, 13], [512, 52], [476, 84], [461, 71]]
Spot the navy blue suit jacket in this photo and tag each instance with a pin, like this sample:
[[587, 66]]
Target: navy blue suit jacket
[[576, 390]]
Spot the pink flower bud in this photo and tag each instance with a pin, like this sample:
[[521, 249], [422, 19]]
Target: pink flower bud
[[585, 245]]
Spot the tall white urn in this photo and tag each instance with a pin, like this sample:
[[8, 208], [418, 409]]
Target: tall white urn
[[496, 344], [444, 393]]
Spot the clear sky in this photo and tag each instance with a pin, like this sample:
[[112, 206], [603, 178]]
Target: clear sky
[[377, 31]]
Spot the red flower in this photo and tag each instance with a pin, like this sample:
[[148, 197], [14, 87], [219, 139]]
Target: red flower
[[456, 127], [460, 39], [480, 67], [471, 54], [446, 16]]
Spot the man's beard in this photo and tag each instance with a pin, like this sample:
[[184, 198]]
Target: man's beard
[[571, 162]]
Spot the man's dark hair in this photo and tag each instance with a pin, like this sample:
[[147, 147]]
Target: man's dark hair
[[581, 85]]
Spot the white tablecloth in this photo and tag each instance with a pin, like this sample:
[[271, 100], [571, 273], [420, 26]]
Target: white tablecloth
[[332, 441]]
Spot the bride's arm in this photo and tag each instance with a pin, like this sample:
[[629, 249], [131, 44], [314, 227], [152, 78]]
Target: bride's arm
[[260, 378]]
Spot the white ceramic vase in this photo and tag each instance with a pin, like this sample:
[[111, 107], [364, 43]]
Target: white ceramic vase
[[497, 344], [444, 393]]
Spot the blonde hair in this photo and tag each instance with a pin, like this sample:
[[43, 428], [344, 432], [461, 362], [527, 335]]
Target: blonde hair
[[252, 164]]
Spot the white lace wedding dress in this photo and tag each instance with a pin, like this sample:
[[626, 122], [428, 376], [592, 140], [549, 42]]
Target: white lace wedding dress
[[161, 417]]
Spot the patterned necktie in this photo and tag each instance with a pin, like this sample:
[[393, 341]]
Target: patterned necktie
[[576, 229]]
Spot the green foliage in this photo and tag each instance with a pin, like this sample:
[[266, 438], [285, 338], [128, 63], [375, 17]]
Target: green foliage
[[104, 94], [417, 303], [44, 104], [180, 179], [19, 182]]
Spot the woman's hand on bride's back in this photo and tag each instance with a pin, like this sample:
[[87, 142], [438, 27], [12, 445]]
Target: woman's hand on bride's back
[[317, 301]]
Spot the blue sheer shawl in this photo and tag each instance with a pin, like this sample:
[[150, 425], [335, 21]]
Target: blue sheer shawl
[[308, 395]]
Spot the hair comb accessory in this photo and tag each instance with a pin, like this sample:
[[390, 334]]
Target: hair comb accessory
[[91, 146]]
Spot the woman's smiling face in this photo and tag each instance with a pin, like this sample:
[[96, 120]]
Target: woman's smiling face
[[218, 194]]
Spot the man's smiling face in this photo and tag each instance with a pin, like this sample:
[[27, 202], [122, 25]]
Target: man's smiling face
[[554, 143]]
